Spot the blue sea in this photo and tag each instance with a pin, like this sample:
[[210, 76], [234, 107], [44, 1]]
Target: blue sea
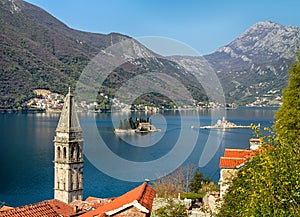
[[114, 163]]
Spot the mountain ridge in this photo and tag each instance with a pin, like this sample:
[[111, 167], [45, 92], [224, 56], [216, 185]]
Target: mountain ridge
[[40, 51], [256, 63]]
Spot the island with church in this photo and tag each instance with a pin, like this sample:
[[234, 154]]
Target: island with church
[[136, 125], [223, 124]]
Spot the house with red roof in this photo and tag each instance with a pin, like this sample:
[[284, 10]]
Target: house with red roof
[[48, 208], [137, 202], [232, 160]]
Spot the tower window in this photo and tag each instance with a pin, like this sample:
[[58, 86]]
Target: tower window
[[77, 153], [72, 152], [58, 153], [65, 153]]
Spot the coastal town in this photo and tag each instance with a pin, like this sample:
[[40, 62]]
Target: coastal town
[[49, 101]]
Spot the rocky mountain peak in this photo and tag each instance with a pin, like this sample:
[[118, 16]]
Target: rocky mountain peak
[[12, 5], [268, 39], [262, 55]]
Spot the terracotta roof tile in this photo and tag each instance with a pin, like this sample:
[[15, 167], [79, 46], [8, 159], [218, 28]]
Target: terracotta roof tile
[[254, 140], [90, 203], [239, 153], [143, 195], [50, 208], [231, 162], [61, 207], [92, 199]]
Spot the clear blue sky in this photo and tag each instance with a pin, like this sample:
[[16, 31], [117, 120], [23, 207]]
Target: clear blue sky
[[205, 25]]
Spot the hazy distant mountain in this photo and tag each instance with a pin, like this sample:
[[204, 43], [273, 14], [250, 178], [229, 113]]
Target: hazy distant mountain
[[256, 63], [38, 51]]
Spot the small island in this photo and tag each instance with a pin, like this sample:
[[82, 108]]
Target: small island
[[223, 124], [139, 125]]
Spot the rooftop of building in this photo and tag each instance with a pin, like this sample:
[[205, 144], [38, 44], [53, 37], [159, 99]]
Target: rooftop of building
[[140, 197], [233, 158], [49, 208], [255, 140], [239, 153]]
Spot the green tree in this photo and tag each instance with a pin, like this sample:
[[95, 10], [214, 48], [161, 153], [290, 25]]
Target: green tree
[[176, 182], [196, 182], [132, 125], [207, 180], [269, 184], [173, 209], [120, 124], [126, 124], [288, 116]]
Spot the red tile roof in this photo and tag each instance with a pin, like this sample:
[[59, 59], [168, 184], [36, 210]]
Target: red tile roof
[[89, 203], [231, 162], [49, 208], [140, 197], [239, 153], [92, 199], [235, 157], [61, 208], [254, 140]]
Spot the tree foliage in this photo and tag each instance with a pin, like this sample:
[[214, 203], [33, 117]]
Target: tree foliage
[[288, 117], [269, 184], [173, 208], [176, 182], [196, 182]]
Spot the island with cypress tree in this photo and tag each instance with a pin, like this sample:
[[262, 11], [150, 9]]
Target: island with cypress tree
[[136, 125]]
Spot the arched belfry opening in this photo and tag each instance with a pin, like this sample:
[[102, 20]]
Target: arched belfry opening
[[68, 163], [58, 153]]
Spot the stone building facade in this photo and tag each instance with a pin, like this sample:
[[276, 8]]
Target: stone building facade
[[68, 159]]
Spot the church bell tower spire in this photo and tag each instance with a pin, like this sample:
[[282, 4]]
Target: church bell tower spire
[[68, 159]]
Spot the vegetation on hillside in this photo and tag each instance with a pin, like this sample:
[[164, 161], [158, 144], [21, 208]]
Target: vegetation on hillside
[[186, 180], [38, 51], [171, 209], [269, 185]]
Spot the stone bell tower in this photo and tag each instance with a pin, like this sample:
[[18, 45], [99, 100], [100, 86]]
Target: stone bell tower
[[68, 159]]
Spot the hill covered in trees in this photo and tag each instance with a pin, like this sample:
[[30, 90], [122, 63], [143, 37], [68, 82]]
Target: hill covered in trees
[[38, 51]]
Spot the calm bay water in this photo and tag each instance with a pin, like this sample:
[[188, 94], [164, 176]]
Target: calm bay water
[[26, 142]]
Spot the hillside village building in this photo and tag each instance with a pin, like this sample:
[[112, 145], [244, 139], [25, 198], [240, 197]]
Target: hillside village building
[[234, 159]]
